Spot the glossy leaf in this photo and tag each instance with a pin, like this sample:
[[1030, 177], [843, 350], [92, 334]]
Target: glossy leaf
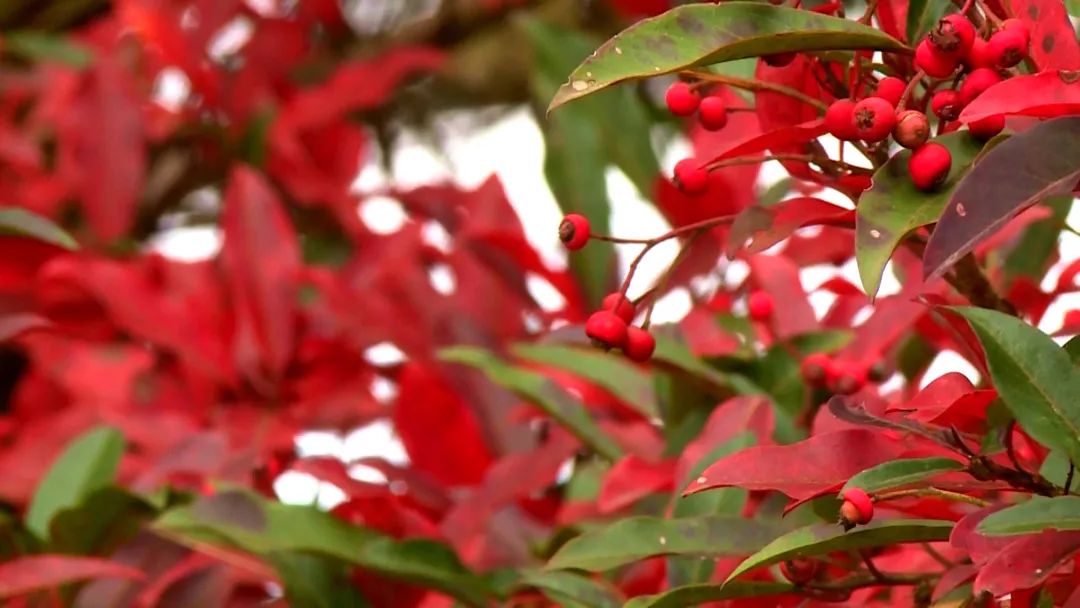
[[893, 207], [572, 590], [1047, 94], [36, 572], [1019, 172], [1033, 375], [820, 539], [635, 538], [614, 375], [1036, 515], [693, 595], [900, 473], [540, 391], [88, 464], [703, 34], [20, 222]]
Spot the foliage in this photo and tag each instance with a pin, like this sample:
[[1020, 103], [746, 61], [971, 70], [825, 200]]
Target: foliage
[[783, 444]]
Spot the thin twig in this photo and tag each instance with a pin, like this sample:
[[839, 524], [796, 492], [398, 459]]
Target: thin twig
[[749, 84], [934, 492]]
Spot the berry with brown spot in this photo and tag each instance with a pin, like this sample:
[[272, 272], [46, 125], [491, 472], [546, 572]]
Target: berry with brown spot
[[912, 129], [953, 35], [574, 231], [691, 177], [873, 119], [1009, 47], [946, 104]]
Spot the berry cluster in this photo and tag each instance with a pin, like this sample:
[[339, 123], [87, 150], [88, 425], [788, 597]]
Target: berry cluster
[[683, 100]]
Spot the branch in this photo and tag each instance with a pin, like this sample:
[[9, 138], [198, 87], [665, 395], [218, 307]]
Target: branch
[[968, 279]]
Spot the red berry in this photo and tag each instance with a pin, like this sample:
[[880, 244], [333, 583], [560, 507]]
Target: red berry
[[946, 104], [639, 345], [891, 89], [606, 329], [980, 55], [988, 127], [878, 372], [760, 306], [574, 231], [929, 166], [847, 378], [1009, 47], [874, 119], [976, 82], [620, 305], [815, 369], [1018, 26], [801, 570], [691, 177], [778, 60], [681, 99], [953, 35], [840, 121], [713, 113], [912, 129], [864, 507], [935, 64]]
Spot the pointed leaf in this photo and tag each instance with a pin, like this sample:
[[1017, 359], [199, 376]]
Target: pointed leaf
[[572, 590], [540, 391], [1053, 93], [899, 473], [820, 539], [1036, 515], [1033, 376], [635, 538], [703, 34], [692, 595], [1019, 172], [20, 222], [28, 574], [893, 207], [88, 464]]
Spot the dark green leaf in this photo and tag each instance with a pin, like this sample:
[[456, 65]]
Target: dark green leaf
[[45, 46], [1019, 172], [922, 15], [900, 473], [1038, 514], [609, 372], [20, 222], [1033, 376], [893, 206], [673, 353], [819, 539], [1055, 468], [100, 523], [635, 538], [703, 34], [88, 464], [1072, 348], [572, 590], [315, 582], [692, 595], [540, 391]]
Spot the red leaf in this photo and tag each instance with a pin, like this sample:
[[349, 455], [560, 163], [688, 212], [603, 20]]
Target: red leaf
[[953, 578], [767, 226], [1053, 39], [262, 257], [102, 149], [778, 277], [1027, 562], [28, 574], [938, 394], [1053, 93], [734, 416], [632, 479], [802, 468], [979, 548], [775, 139]]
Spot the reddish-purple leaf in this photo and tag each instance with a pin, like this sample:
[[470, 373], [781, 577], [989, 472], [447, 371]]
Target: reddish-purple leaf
[[28, 574], [1015, 174], [1053, 39], [803, 468], [262, 257], [953, 578], [632, 479], [1027, 562], [1054, 93], [978, 547]]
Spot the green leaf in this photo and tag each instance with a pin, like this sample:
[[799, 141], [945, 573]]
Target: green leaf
[[900, 473], [703, 34], [1033, 376], [242, 520], [692, 595], [88, 464], [819, 539], [315, 582], [571, 590], [922, 15], [540, 391], [44, 46], [20, 222], [1019, 172], [1072, 348], [893, 206], [609, 372], [99, 524], [673, 353], [1038, 514], [631, 539], [721, 500]]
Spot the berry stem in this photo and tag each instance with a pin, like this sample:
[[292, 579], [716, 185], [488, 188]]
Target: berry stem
[[934, 492], [749, 84], [909, 89], [661, 285], [871, 8], [618, 239], [821, 161], [990, 16]]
